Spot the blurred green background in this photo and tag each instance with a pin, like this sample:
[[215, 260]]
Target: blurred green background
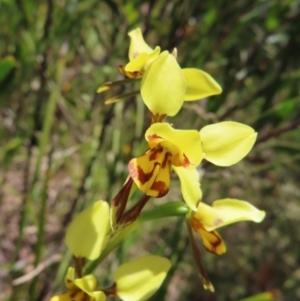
[[62, 148]]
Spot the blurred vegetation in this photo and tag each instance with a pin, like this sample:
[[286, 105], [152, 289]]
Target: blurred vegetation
[[62, 148]]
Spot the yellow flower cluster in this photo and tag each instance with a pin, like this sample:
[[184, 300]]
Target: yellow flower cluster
[[164, 86]]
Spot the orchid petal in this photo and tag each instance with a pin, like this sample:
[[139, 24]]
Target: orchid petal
[[227, 211], [187, 142], [137, 63], [143, 60], [190, 186], [137, 44], [69, 278], [139, 279], [151, 172], [226, 143], [87, 234], [152, 56], [199, 84], [163, 86], [212, 241], [87, 284]]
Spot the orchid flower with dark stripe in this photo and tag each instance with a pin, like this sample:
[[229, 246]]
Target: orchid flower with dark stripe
[[222, 213], [169, 148], [223, 144], [209, 218]]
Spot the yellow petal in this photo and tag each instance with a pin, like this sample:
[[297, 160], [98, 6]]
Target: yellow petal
[[199, 84], [163, 86], [137, 44], [227, 211], [87, 284], [98, 296], [139, 279], [62, 297], [151, 172], [69, 278], [87, 234], [186, 141], [152, 56], [190, 186], [212, 241], [137, 63], [143, 60], [226, 143]]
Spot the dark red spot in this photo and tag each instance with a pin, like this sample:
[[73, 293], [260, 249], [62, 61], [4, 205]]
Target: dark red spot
[[154, 136], [186, 161], [216, 243], [145, 177], [154, 152], [161, 187], [167, 160]]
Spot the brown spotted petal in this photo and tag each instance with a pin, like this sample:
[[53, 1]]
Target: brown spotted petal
[[212, 241], [151, 171]]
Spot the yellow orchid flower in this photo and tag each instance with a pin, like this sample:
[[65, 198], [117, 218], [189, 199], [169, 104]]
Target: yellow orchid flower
[[165, 86], [208, 218], [134, 281], [180, 149], [87, 235], [222, 212], [80, 289], [223, 144], [140, 55]]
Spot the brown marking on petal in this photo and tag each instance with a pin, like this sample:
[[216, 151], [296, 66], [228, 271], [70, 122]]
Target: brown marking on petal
[[195, 223], [120, 200], [130, 74], [167, 160], [136, 171], [154, 136], [161, 187], [158, 118], [217, 222], [145, 177], [154, 152], [186, 161], [214, 245], [131, 215]]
